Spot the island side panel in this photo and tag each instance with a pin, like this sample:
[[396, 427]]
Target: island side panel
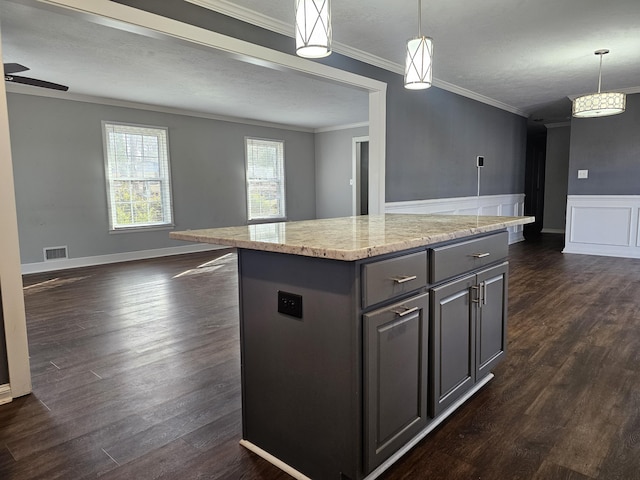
[[300, 376]]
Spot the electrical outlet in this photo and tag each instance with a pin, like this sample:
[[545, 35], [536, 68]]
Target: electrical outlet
[[290, 304], [583, 173]]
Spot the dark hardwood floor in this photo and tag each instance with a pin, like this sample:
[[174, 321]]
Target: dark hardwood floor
[[136, 375]]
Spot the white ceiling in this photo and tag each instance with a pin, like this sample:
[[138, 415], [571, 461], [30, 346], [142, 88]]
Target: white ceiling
[[99, 61], [526, 55]]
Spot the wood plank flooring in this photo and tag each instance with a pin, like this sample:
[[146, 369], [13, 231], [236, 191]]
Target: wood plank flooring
[[136, 375]]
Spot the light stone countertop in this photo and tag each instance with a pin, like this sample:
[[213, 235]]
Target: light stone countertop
[[351, 238]]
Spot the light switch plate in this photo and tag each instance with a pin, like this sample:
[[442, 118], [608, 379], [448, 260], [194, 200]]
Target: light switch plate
[[583, 173]]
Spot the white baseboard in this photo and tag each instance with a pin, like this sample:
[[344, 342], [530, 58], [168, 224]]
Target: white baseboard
[[553, 230], [606, 225], [5, 394], [490, 205], [67, 263]]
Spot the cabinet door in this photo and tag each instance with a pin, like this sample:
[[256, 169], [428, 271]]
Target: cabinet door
[[453, 342], [396, 377], [492, 319]]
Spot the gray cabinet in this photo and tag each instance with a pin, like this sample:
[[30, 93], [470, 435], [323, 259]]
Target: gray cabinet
[[491, 323], [391, 278], [395, 377], [377, 352], [453, 345], [468, 333]]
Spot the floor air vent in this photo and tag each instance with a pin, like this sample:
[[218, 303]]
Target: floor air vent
[[55, 253]]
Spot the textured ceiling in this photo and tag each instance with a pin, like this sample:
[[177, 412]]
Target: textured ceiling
[[526, 54], [529, 55], [101, 61]]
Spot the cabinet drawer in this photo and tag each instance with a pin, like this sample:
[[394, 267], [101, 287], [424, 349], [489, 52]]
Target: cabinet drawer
[[389, 278], [455, 259]]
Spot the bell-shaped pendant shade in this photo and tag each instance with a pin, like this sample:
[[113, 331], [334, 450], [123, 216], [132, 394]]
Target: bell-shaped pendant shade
[[313, 28], [418, 73]]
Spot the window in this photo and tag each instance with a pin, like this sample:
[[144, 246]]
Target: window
[[137, 174], [265, 179]]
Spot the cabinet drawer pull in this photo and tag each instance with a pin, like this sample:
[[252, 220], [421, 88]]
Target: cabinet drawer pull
[[480, 255], [406, 311], [404, 278]]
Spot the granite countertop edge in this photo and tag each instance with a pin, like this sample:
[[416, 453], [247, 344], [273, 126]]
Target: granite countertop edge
[[351, 254]]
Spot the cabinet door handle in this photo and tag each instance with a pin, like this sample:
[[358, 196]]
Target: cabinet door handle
[[483, 290], [480, 255], [481, 294], [404, 278], [406, 311], [477, 299]]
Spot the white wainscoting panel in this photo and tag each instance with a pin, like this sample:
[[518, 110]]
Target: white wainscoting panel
[[487, 205], [603, 225]]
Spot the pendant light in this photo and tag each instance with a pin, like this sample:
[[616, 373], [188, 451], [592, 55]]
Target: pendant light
[[599, 104], [418, 72], [313, 28]]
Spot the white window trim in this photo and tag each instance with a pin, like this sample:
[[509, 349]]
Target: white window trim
[[167, 204], [278, 218]]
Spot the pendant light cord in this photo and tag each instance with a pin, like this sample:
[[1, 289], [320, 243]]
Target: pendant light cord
[[600, 73], [420, 19]]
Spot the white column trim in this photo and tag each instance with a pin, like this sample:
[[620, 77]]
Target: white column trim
[[15, 322], [5, 394]]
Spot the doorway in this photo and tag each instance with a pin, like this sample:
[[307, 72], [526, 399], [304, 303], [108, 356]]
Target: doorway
[[534, 181], [360, 203]]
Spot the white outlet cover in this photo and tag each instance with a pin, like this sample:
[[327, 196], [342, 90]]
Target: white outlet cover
[[583, 173]]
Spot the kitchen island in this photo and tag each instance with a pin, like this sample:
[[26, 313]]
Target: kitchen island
[[360, 335]]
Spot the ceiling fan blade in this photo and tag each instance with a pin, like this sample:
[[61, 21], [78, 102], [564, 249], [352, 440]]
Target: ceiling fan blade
[[35, 82], [10, 68]]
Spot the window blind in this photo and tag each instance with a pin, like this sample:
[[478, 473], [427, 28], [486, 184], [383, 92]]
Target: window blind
[[265, 179], [138, 176]]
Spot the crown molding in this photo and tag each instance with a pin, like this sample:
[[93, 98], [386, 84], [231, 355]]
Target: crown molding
[[341, 127], [450, 87], [278, 26], [75, 97], [246, 15], [283, 28]]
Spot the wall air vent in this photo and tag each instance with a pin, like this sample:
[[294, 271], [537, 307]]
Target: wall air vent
[[55, 253]]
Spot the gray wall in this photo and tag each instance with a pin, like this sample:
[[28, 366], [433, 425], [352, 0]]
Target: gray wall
[[609, 147], [556, 177], [433, 136], [433, 140], [60, 185], [334, 168]]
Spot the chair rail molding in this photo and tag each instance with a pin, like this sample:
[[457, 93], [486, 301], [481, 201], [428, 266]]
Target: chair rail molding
[[498, 205], [605, 225]]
